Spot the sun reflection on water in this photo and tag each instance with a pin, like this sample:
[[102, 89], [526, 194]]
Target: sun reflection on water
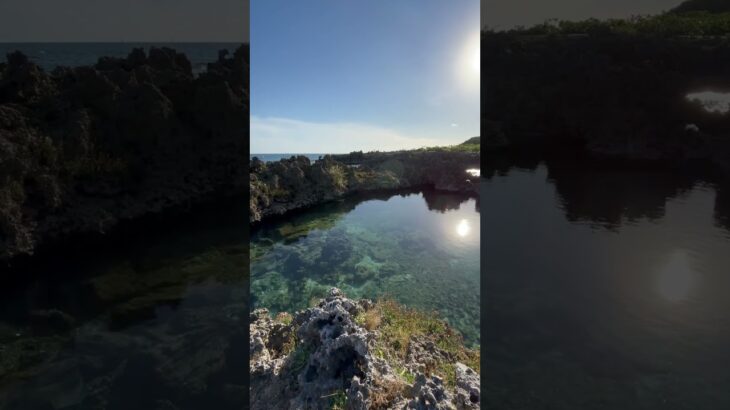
[[463, 228], [677, 277]]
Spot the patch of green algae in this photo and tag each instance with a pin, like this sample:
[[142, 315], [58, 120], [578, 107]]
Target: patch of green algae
[[21, 357], [134, 290]]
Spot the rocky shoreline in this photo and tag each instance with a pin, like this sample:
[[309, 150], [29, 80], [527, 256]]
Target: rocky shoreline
[[612, 94], [84, 148], [296, 183], [343, 354]]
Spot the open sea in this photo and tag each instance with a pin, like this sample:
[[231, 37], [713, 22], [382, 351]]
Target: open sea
[[277, 157], [50, 55]]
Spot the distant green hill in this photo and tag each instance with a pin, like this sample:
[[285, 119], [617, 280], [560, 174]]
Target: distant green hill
[[698, 18], [712, 6], [473, 140], [471, 145]]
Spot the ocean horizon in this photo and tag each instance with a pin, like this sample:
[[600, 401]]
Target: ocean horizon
[[276, 157], [48, 56]]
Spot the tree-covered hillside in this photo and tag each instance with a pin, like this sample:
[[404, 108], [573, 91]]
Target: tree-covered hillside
[[712, 6]]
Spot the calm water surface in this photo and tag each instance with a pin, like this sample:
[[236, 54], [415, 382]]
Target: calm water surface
[[605, 290], [151, 321], [421, 249]]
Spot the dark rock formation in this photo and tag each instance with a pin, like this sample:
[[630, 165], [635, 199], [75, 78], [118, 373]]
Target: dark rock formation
[[323, 355], [83, 148], [614, 94], [295, 183]]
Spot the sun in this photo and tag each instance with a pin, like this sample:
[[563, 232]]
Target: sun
[[468, 63], [476, 59]]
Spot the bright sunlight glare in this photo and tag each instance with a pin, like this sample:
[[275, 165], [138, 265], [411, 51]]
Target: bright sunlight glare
[[463, 228], [476, 63], [468, 64]]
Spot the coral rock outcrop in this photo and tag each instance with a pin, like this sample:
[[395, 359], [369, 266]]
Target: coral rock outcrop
[[83, 148], [322, 358]]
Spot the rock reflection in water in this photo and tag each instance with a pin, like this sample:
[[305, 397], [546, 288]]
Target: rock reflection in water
[[607, 288], [445, 201]]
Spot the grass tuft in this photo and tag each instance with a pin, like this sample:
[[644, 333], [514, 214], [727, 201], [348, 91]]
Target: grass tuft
[[338, 401], [397, 323]]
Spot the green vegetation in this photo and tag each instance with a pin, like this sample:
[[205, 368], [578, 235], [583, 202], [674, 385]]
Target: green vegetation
[[339, 177], [405, 374], [472, 140], [284, 318], [338, 400], [370, 320], [396, 324], [21, 356], [299, 358], [712, 6], [97, 164], [692, 24], [471, 145]]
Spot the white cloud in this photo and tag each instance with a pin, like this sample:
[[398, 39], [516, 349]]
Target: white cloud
[[284, 135]]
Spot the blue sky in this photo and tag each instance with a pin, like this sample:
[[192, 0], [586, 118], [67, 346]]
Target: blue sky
[[344, 75]]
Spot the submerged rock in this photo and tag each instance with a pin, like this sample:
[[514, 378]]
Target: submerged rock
[[327, 356]]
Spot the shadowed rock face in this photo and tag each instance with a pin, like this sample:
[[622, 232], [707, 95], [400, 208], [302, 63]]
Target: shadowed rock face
[[83, 148], [616, 95], [296, 183]]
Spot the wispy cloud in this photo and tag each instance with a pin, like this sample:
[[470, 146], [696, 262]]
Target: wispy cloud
[[284, 135]]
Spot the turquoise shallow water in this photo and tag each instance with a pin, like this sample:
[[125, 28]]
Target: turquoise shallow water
[[421, 249]]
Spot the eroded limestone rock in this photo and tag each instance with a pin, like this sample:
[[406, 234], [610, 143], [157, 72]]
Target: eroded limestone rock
[[323, 354]]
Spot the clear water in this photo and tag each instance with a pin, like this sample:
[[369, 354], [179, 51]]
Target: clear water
[[606, 289], [421, 249], [50, 55], [158, 317]]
